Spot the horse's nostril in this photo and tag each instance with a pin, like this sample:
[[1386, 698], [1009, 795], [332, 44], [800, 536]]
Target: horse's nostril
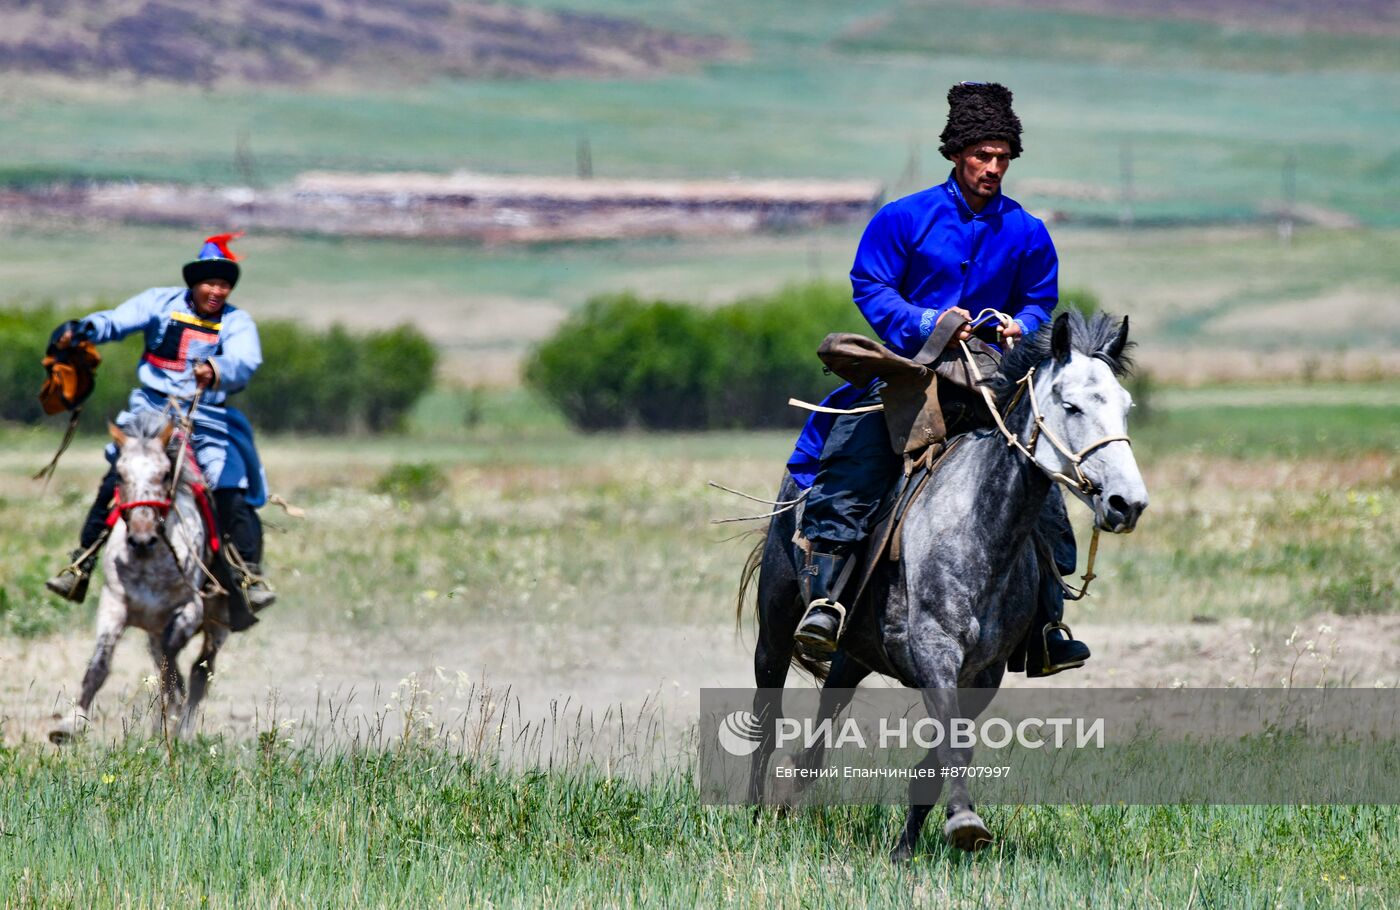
[[1119, 504]]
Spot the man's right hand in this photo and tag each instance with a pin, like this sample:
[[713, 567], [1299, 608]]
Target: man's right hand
[[965, 332], [69, 338]]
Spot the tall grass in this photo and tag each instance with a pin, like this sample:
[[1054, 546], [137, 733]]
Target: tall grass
[[224, 824]]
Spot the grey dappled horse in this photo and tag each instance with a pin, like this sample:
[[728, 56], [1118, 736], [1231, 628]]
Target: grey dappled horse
[[963, 595], [152, 577]]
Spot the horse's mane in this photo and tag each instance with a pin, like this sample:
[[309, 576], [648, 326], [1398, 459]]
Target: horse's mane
[[1089, 337], [146, 425]]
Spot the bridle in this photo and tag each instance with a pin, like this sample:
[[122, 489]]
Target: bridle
[[162, 506], [1026, 385], [1079, 482]]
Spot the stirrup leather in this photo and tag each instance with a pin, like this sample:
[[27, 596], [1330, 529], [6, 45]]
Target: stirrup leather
[[80, 556], [1046, 666]]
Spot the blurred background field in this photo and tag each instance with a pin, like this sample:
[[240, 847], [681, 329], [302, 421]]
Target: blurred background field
[[1225, 174]]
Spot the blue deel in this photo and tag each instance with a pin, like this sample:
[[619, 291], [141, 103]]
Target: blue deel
[[926, 253]]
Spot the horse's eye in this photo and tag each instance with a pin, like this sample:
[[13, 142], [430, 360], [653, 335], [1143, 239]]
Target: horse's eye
[[1070, 409]]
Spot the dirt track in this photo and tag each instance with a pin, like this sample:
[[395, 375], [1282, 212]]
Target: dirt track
[[537, 669]]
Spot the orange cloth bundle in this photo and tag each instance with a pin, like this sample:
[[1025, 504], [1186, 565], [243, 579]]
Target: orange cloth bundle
[[72, 374]]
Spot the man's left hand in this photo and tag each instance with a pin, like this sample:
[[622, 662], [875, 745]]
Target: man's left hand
[[204, 375], [1011, 330]]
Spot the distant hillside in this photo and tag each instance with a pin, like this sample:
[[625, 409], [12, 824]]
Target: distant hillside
[[1357, 17], [296, 41], [1246, 35]]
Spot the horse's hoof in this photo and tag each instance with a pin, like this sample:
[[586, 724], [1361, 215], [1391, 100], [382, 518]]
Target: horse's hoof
[[68, 730], [966, 831], [784, 789], [901, 854]]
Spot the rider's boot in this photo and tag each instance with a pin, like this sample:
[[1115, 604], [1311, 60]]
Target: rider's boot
[[825, 618], [243, 540], [72, 582], [240, 616], [260, 594], [250, 578], [1052, 648]]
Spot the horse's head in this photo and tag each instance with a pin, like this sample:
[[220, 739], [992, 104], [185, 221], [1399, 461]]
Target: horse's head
[[1078, 425], [144, 469]]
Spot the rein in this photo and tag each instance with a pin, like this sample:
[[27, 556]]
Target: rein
[[165, 506], [1079, 482]]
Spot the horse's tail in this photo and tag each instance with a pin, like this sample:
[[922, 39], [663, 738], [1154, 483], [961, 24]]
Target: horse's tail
[[817, 669], [752, 564]]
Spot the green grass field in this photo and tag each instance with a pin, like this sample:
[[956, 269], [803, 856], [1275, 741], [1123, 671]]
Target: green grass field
[[232, 825], [1277, 511]]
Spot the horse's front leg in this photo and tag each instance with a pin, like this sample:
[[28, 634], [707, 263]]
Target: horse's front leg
[[111, 622], [165, 651], [203, 669], [937, 660], [837, 692]]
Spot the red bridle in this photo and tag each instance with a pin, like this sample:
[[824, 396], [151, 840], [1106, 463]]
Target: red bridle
[[163, 506], [119, 508]]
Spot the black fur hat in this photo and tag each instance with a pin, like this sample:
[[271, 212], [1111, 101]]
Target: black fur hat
[[977, 111]]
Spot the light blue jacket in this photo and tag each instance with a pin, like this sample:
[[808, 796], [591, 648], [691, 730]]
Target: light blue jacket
[[177, 340]]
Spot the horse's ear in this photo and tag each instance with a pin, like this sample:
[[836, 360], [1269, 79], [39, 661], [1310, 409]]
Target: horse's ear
[[1114, 349], [166, 433], [1059, 338], [117, 435]]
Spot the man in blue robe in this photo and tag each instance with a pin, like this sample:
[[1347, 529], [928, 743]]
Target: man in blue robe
[[951, 250], [196, 342]]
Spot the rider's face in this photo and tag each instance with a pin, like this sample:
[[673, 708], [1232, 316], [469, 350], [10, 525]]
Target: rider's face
[[981, 166], [210, 296]]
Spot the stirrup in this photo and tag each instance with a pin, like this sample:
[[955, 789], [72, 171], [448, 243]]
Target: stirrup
[[69, 583], [822, 645], [1047, 668], [255, 585]]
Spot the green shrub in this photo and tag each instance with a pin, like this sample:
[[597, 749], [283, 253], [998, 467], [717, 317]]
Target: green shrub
[[314, 381], [1081, 299], [621, 361], [625, 362], [395, 368], [419, 482], [765, 352], [23, 337]]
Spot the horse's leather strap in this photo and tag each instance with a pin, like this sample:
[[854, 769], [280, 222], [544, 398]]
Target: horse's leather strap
[[942, 335], [886, 531]]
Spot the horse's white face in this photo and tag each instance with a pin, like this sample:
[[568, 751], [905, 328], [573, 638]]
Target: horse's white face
[[1082, 402], [143, 467]]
